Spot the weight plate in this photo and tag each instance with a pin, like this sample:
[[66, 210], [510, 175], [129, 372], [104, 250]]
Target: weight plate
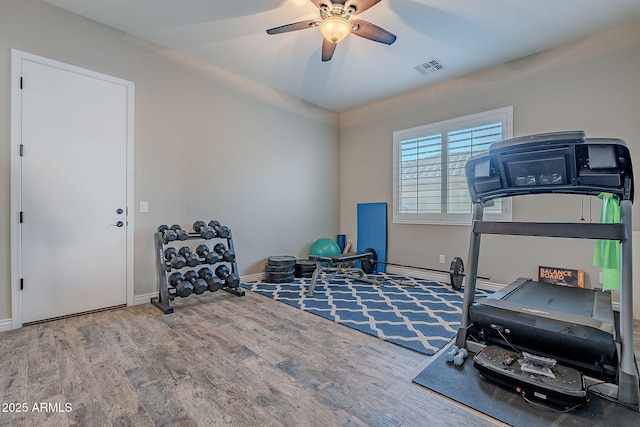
[[278, 277], [284, 260], [305, 263], [305, 266], [369, 265], [302, 275], [287, 280], [278, 268], [455, 273]]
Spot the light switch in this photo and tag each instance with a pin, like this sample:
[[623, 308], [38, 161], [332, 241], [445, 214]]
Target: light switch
[[144, 206]]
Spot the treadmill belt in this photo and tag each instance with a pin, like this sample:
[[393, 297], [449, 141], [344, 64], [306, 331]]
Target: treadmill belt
[[554, 297]]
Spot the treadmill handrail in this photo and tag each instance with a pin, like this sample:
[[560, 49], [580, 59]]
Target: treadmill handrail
[[571, 230]]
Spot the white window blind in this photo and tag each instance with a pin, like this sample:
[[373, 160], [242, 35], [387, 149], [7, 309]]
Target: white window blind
[[429, 179]]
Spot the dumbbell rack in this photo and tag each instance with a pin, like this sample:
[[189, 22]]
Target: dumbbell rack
[[163, 301]]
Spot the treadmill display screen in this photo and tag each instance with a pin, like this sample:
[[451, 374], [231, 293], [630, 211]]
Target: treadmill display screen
[[537, 172]]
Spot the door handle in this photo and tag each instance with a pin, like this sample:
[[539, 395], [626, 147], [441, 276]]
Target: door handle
[[117, 224]]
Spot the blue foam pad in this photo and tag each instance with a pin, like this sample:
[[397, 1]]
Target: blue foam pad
[[372, 230]]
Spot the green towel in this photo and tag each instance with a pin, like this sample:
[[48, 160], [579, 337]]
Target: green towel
[[607, 252]]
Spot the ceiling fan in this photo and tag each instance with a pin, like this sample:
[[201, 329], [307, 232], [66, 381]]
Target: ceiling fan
[[335, 24]]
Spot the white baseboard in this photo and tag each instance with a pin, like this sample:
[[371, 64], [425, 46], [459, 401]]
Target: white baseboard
[[6, 325], [440, 277], [144, 298], [252, 278]]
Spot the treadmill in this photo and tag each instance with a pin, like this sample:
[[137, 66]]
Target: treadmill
[[574, 326]]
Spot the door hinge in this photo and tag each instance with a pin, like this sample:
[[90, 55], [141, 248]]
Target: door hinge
[[21, 284], [21, 150], [21, 217], [20, 82]]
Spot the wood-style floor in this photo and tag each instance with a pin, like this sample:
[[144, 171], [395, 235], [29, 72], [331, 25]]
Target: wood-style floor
[[218, 360]]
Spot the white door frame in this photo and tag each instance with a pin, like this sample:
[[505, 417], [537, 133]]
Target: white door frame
[[17, 57]]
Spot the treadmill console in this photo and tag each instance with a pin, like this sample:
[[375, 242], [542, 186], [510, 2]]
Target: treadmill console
[[560, 162]]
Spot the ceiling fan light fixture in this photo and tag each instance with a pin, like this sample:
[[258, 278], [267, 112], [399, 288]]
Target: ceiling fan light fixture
[[335, 28]]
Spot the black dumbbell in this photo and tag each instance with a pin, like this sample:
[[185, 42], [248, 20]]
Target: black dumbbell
[[191, 258], [174, 258], [180, 233], [199, 285], [170, 253], [221, 231], [226, 254], [184, 288], [175, 278], [204, 230], [231, 280], [214, 283], [168, 235], [209, 257]]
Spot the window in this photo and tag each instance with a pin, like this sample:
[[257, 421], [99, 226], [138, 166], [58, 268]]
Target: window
[[430, 186]]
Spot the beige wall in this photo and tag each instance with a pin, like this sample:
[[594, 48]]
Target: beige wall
[[208, 144], [591, 85], [282, 173]]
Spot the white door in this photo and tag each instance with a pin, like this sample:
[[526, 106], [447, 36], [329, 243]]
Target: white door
[[74, 192]]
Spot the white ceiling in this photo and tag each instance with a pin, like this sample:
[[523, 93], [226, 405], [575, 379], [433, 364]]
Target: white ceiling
[[464, 35]]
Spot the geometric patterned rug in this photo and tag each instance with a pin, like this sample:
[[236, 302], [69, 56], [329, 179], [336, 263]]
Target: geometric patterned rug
[[424, 317]]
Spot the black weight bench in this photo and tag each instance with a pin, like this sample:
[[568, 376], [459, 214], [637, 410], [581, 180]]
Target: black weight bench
[[332, 265]]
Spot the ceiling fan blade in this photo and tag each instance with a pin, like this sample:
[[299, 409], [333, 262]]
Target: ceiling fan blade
[[360, 5], [293, 27], [372, 32], [327, 50]]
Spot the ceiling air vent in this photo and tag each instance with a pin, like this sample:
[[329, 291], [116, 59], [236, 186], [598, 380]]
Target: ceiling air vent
[[430, 67]]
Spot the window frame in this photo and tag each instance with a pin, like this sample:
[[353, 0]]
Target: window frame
[[503, 115]]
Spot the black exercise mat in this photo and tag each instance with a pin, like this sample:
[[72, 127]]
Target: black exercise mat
[[464, 385]]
